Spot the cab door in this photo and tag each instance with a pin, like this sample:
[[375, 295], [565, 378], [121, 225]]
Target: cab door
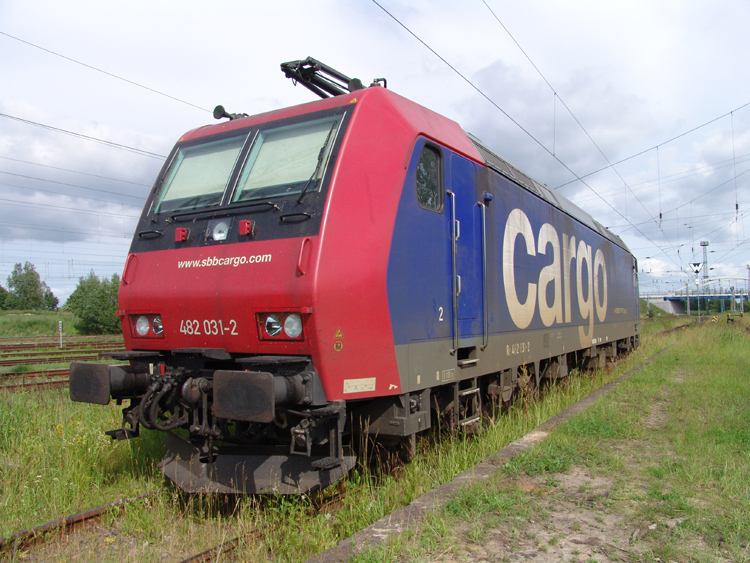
[[466, 249]]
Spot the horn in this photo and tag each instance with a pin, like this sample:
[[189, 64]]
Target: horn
[[220, 112]]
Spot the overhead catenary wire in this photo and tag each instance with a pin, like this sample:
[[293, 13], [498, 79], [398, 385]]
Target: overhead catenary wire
[[63, 208], [494, 104], [127, 238], [140, 198], [86, 137], [709, 235], [704, 194], [73, 196], [557, 97], [734, 160], [675, 177], [102, 71], [640, 153], [76, 171], [611, 165]]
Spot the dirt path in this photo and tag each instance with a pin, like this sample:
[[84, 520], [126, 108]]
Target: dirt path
[[583, 516], [579, 517]]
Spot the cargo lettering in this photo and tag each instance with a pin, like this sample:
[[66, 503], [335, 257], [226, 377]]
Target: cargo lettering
[[588, 272]]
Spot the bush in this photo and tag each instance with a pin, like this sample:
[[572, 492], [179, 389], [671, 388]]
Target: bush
[[94, 302]]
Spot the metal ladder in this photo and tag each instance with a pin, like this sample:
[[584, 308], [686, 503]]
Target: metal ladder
[[467, 402]]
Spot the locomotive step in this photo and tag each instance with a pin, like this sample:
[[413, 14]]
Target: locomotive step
[[468, 421], [327, 463], [466, 392]]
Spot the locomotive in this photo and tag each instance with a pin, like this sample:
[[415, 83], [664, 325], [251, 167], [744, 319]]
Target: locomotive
[[357, 265]]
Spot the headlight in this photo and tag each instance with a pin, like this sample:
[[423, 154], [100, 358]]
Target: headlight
[[217, 230], [142, 325], [293, 325], [272, 325], [221, 230], [147, 325], [280, 326]]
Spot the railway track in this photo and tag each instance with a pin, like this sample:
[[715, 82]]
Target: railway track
[[329, 506], [35, 384], [25, 538], [55, 377], [37, 353], [53, 372], [55, 359], [55, 356], [32, 347]]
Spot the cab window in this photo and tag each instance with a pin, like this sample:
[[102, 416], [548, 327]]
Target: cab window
[[429, 179], [287, 160], [199, 174]]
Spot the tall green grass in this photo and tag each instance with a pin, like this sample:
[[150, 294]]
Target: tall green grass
[[36, 323], [55, 460]]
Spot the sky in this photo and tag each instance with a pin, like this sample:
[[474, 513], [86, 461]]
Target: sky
[[636, 111]]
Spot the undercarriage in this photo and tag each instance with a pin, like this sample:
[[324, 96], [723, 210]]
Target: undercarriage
[[260, 424]]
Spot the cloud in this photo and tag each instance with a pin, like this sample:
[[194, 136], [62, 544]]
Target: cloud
[[635, 75]]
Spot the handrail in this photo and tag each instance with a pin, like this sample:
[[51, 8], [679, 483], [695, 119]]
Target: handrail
[[454, 273], [485, 304], [301, 253]]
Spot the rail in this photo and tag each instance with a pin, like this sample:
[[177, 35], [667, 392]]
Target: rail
[[25, 537]]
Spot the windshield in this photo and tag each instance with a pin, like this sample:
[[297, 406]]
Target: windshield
[[284, 160], [199, 174]]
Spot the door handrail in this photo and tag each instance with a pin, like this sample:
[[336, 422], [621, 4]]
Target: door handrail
[[454, 273], [485, 305]]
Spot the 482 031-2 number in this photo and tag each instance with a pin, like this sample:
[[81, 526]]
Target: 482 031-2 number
[[208, 327]]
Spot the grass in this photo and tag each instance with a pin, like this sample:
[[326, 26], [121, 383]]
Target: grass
[[58, 462], [36, 323], [679, 430]]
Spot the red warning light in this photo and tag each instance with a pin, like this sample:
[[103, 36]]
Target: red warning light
[[247, 227], [180, 234]]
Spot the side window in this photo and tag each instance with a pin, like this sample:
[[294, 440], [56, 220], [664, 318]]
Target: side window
[[430, 179]]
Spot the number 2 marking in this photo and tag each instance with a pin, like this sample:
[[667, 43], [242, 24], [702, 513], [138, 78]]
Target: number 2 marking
[[440, 317]]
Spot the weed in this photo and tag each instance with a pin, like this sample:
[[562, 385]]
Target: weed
[[552, 481], [477, 532]]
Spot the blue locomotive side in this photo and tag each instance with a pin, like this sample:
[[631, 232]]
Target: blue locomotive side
[[488, 275]]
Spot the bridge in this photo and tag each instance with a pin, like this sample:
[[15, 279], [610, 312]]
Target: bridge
[[731, 291]]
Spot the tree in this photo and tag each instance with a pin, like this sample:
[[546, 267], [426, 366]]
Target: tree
[[27, 290], [94, 302], [3, 295]]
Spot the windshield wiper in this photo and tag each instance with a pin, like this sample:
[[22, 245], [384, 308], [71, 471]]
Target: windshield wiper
[[223, 211], [321, 156]]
